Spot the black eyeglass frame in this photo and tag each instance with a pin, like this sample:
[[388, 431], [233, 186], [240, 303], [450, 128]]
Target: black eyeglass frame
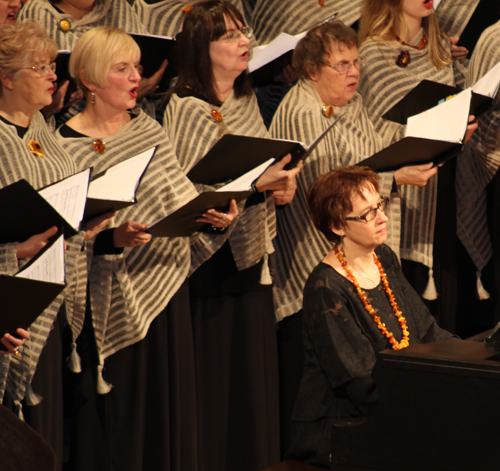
[[382, 205]]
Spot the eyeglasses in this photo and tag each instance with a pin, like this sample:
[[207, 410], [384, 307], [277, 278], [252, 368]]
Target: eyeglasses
[[43, 70], [345, 67], [371, 214], [234, 36]]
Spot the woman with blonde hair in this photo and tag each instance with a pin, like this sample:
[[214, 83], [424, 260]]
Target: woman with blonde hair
[[403, 45]]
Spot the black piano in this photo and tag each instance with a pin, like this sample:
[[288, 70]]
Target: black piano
[[439, 410]]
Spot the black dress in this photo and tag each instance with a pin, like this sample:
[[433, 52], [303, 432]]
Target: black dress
[[341, 342]]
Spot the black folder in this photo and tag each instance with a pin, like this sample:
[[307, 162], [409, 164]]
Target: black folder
[[154, 50], [23, 300], [412, 151], [182, 222], [234, 155], [427, 94], [25, 213]]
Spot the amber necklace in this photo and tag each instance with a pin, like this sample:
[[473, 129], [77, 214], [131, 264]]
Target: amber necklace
[[404, 58], [405, 341]]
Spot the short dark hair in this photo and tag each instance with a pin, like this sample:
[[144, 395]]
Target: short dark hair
[[330, 197], [205, 22], [312, 50]]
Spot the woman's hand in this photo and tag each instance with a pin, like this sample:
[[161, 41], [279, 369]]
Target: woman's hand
[[284, 196], [457, 52], [57, 100], [276, 178], [218, 218], [131, 234], [96, 225], [470, 128], [34, 244], [417, 175], [12, 343], [149, 85]]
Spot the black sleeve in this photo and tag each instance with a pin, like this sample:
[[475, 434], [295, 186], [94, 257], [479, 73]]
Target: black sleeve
[[104, 244]]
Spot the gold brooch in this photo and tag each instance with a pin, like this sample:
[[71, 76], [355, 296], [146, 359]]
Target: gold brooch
[[99, 146], [327, 111], [187, 8], [216, 115], [35, 148], [403, 59], [65, 25]]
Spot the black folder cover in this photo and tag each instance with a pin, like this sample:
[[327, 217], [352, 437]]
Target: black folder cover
[[23, 300], [25, 213], [154, 50], [426, 95], [233, 156], [412, 151], [182, 222]]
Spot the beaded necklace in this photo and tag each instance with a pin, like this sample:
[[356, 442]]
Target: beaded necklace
[[405, 341]]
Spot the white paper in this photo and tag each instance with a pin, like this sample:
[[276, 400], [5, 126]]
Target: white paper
[[68, 197], [120, 182], [445, 122], [244, 182], [49, 266], [262, 55], [489, 83], [436, 3]]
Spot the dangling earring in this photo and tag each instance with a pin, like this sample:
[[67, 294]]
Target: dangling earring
[[92, 97]]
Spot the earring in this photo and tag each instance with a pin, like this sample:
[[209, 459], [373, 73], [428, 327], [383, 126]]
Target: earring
[[92, 97]]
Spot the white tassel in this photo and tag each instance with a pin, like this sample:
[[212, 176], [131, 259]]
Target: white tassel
[[265, 274], [74, 362], [430, 292], [32, 398], [102, 386], [481, 292]]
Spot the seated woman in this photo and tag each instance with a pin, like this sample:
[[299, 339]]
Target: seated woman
[[356, 303]]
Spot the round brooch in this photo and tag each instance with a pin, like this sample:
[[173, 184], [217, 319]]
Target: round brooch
[[403, 59], [327, 111], [216, 115], [35, 148], [99, 146], [65, 25]]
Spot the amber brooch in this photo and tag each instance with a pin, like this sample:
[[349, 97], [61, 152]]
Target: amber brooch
[[35, 148], [403, 59], [99, 146]]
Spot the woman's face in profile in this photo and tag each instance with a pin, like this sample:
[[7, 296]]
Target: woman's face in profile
[[337, 86], [230, 53], [8, 11]]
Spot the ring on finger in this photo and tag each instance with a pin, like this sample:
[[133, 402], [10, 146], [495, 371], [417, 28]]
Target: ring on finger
[[16, 352]]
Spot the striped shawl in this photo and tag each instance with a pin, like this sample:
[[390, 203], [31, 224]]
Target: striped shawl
[[481, 159], [129, 290], [382, 85], [17, 162], [299, 246], [193, 132]]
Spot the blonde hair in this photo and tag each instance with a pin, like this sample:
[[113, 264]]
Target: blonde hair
[[384, 19], [96, 52], [21, 45]]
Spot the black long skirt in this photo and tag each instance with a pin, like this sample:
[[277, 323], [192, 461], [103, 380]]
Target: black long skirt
[[148, 420], [236, 367]]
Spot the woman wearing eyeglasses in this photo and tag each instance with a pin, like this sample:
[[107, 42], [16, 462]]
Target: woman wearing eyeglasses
[[356, 303], [328, 64], [231, 297], [29, 150]]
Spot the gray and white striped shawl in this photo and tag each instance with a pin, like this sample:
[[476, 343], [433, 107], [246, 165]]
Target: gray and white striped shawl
[[481, 159], [272, 17], [453, 15], [382, 85], [193, 132], [129, 290], [114, 13], [16, 163], [299, 246], [165, 18]]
